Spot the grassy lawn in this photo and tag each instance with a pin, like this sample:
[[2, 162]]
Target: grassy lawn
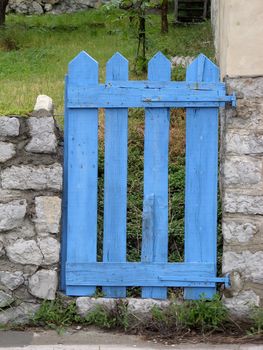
[[35, 51], [34, 54]]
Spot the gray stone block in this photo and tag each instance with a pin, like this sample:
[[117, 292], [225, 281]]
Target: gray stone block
[[50, 249], [241, 304], [6, 299], [25, 252], [26, 177], [11, 280], [43, 138], [12, 214], [48, 214], [21, 314], [9, 126], [43, 284], [238, 232], [242, 171], [242, 142], [7, 151], [242, 203]]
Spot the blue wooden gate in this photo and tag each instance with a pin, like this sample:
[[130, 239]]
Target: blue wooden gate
[[201, 94]]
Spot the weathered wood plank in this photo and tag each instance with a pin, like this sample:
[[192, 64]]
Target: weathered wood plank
[[82, 172], [140, 274], [115, 177], [156, 140], [201, 178]]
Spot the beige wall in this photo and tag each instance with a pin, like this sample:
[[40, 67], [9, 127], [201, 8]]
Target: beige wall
[[238, 29]]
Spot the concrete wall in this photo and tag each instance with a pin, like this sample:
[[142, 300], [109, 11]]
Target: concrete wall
[[238, 36]]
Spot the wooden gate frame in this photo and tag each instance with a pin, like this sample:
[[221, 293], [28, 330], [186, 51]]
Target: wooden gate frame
[[201, 94]]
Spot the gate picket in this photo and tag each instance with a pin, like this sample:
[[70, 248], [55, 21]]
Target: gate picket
[[82, 172], [156, 141], [201, 177], [115, 176]]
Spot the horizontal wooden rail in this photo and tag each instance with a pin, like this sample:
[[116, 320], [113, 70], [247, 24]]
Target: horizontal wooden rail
[[142, 274], [148, 95]]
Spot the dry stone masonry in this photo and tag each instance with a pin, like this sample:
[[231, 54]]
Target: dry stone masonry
[[30, 211], [242, 184], [39, 7]]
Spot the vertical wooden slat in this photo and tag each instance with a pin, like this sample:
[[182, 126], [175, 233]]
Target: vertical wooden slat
[[201, 177], [63, 251], [82, 172], [115, 176], [156, 140]]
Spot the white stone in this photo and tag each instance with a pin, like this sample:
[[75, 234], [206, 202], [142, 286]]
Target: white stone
[[7, 151], [48, 214], [238, 231], [9, 126], [241, 305], [247, 115], [50, 249], [26, 177], [138, 307], [43, 138], [21, 314], [5, 299], [241, 142], [36, 8], [12, 214], [2, 250], [241, 203], [11, 280], [88, 304], [25, 252], [246, 87], [44, 102], [242, 171], [43, 284], [248, 264]]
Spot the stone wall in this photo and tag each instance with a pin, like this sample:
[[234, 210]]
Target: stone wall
[[30, 211], [38, 7], [242, 184]]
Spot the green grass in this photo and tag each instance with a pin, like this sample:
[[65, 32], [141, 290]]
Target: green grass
[[35, 62]]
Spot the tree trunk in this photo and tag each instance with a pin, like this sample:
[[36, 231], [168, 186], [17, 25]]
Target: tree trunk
[[3, 4], [164, 16]]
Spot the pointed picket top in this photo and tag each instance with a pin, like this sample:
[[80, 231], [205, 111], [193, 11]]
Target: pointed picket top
[[202, 69], [117, 68], [159, 68], [83, 69]]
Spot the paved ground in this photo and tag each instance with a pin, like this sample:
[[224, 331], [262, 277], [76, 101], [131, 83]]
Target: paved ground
[[96, 340]]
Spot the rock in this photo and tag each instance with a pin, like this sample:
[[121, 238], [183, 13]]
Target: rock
[[11, 280], [248, 264], [7, 151], [27, 177], [246, 87], [2, 250], [50, 249], [36, 8], [24, 252], [240, 305], [138, 307], [21, 314], [26, 230], [12, 214], [238, 231], [182, 61], [48, 7], [42, 131], [242, 171], [9, 126], [48, 214], [242, 203], [243, 142], [88, 304], [5, 299], [43, 284], [44, 102]]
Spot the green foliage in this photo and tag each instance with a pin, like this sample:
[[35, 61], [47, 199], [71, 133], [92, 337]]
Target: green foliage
[[257, 319], [201, 315], [57, 314]]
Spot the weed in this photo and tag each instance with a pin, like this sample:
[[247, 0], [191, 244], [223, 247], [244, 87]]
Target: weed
[[257, 319], [201, 315], [57, 314]]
